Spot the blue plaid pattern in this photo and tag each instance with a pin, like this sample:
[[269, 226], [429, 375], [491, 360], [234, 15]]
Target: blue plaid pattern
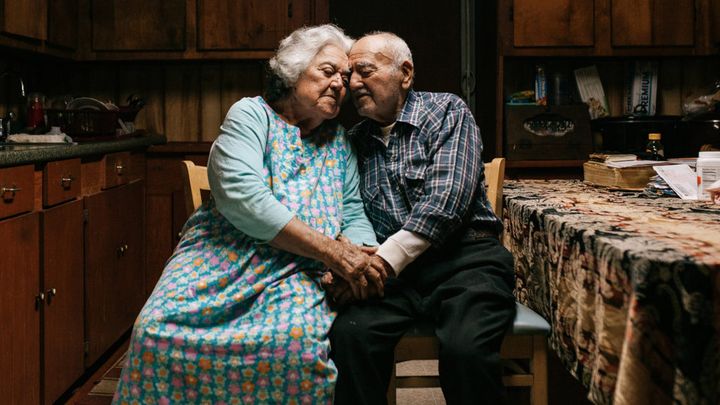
[[430, 177]]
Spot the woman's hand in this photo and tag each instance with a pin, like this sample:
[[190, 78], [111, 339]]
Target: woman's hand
[[350, 263]]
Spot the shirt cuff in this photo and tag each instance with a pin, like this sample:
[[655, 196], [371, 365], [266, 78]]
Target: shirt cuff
[[402, 248]]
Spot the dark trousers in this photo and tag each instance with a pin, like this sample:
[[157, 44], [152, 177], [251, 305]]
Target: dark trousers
[[466, 290]]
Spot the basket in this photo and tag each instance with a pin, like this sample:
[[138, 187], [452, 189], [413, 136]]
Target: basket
[[91, 124]]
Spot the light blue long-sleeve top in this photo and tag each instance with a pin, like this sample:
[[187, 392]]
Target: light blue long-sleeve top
[[242, 196]]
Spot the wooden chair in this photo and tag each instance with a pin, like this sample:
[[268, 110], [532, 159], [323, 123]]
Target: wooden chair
[[196, 181], [524, 349]]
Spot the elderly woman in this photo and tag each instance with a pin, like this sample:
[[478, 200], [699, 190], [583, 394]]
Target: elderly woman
[[239, 315]]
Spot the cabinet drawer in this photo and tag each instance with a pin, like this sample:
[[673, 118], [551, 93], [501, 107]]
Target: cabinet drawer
[[118, 169], [17, 190], [61, 181]]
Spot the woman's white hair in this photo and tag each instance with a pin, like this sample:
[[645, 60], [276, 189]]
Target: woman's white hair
[[298, 49]]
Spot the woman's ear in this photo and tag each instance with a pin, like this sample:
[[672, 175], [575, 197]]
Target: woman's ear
[[408, 72]]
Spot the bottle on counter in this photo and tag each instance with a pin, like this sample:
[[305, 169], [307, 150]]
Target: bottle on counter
[[708, 171], [36, 114], [655, 149]]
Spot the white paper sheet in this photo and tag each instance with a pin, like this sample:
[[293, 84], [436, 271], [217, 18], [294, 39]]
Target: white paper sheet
[[681, 178], [637, 163]]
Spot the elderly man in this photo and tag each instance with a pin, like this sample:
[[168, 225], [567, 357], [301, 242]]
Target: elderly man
[[422, 184]]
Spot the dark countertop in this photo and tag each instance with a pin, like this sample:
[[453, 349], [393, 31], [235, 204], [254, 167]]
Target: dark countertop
[[18, 154]]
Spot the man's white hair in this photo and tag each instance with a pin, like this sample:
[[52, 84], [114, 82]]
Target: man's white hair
[[298, 49], [396, 46]]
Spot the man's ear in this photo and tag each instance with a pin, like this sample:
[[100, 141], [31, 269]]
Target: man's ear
[[408, 72]]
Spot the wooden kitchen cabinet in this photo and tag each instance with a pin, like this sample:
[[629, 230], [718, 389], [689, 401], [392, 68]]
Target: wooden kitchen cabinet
[[25, 18], [197, 30], [72, 263], [603, 27], [165, 206], [62, 284], [114, 287], [553, 23], [138, 25], [20, 303], [714, 26], [63, 23], [653, 22], [250, 24]]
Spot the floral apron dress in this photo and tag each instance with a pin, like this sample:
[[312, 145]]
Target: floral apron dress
[[233, 321]]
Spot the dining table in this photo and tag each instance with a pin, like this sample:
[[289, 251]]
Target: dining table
[[629, 283]]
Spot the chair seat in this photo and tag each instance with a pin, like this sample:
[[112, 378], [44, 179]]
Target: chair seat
[[527, 322]]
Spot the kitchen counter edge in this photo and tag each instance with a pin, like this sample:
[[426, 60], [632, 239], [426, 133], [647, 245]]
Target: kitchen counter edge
[[58, 152]]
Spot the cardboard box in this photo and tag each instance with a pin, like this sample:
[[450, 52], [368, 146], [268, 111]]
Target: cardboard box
[[547, 133]]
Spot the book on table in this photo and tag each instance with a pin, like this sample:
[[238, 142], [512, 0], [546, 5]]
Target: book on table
[[629, 178]]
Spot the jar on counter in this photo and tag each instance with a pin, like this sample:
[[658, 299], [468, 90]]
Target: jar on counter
[[655, 148], [708, 171]]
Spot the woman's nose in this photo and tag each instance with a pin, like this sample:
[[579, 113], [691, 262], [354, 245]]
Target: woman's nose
[[337, 82]]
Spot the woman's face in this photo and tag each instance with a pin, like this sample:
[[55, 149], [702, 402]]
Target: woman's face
[[321, 88]]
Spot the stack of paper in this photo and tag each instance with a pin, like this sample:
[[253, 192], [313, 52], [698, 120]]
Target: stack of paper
[[681, 178], [612, 157]]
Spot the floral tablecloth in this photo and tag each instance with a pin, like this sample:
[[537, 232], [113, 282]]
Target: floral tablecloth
[[629, 284]]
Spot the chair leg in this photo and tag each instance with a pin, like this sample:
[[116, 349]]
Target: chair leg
[[538, 368], [392, 389]]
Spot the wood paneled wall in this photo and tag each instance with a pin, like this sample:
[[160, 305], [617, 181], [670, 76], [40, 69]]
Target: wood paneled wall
[[186, 101]]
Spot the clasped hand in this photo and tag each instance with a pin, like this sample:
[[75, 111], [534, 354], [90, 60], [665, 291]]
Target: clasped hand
[[355, 272]]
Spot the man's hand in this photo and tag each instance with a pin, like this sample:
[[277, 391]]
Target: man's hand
[[337, 288]]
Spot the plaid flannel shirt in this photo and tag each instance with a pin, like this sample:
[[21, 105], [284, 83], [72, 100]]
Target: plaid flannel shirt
[[430, 177]]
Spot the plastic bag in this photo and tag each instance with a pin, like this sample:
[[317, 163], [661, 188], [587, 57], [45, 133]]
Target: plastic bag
[[698, 104]]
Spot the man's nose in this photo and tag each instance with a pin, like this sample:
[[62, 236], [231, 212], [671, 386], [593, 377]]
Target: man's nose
[[355, 82]]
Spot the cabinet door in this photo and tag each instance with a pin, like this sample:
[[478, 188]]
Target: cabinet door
[[26, 18], [63, 335], [131, 274], [653, 22], [714, 24], [114, 287], [19, 311], [553, 23], [249, 24], [63, 23], [138, 25]]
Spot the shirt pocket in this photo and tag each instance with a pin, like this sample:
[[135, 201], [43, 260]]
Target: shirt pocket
[[414, 178], [374, 207], [369, 196]]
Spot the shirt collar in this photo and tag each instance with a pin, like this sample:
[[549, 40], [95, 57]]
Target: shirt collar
[[411, 110]]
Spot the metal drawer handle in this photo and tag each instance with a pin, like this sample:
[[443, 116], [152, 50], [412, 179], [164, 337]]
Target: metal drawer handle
[[122, 250], [50, 294], [66, 182], [119, 169], [38, 300], [11, 190]]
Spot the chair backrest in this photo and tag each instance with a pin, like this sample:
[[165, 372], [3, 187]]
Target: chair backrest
[[196, 180], [494, 178]]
